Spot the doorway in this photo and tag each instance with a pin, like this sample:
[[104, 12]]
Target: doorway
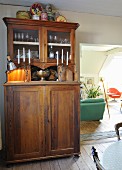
[[94, 61], [101, 61]]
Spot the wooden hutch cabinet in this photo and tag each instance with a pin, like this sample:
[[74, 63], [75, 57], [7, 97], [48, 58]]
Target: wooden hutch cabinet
[[42, 118]]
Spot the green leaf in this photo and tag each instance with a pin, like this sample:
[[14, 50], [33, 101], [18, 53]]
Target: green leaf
[[92, 92]]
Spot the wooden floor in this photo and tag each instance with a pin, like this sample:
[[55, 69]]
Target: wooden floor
[[84, 162], [107, 124]]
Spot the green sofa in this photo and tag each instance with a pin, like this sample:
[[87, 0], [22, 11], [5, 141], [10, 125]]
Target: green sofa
[[92, 109]]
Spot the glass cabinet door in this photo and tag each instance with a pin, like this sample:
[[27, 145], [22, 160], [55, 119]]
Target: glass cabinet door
[[58, 45], [25, 44]]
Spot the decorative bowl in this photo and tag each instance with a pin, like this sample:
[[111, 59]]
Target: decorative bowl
[[43, 74], [23, 14]]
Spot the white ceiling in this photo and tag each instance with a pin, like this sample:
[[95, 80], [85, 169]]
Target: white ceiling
[[101, 7]]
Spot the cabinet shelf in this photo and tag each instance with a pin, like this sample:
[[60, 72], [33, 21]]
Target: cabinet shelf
[[26, 43], [57, 44]]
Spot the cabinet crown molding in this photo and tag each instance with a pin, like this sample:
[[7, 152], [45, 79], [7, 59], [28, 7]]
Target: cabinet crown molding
[[32, 22]]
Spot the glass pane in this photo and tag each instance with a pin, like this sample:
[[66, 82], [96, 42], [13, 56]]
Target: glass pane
[[58, 37], [25, 40], [25, 35], [58, 45]]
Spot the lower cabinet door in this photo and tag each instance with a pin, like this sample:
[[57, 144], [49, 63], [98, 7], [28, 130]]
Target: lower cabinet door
[[25, 130], [41, 122], [63, 125]]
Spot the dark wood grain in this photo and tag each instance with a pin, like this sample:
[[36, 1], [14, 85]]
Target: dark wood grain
[[41, 121], [84, 162]]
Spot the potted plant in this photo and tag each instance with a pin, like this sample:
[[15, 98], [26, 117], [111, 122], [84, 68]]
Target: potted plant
[[93, 91]]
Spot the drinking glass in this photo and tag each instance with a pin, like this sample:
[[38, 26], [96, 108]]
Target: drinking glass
[[65, 40], [55, 39], [22, 36], [60, 40], [50, 38], [31, 38], [15, 36], [19, 37], [27, 37]]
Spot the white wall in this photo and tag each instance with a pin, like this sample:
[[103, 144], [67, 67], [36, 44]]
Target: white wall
[[96, 29], [92, 61], [93, 29], [91, 64]]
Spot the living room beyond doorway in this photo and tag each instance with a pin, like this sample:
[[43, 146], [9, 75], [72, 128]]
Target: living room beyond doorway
[[104, 61], [94, 59], [106, 124]]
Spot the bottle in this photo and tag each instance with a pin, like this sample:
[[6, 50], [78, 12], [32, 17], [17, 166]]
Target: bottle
[[51, 52], [10, 64], [44, 16]]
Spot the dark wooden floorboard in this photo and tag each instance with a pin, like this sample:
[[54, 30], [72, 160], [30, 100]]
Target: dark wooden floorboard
[[45, 165], [68, 163], [81, 163], [54, 165], [35, 166], [87, 159]]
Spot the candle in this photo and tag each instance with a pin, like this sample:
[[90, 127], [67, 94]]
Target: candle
[[57, 57], [62, 56], [67, 59], [23, 54], [29, 56], [18, 56]]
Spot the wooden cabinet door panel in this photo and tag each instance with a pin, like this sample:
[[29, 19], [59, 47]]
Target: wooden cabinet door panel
[[27, 123], [62, 120]]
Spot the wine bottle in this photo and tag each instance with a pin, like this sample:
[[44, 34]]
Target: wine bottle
[[51, 52]]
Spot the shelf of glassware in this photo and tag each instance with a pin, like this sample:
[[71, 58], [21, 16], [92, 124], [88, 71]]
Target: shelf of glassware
[[23, 47], [58, 44], [62, 50], [37, 43], [25, 43]]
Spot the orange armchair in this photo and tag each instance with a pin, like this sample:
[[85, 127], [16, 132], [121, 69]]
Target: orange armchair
[[114, 93]]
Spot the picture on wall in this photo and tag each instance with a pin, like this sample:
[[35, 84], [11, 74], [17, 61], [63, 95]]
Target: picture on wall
[[89, 80]]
